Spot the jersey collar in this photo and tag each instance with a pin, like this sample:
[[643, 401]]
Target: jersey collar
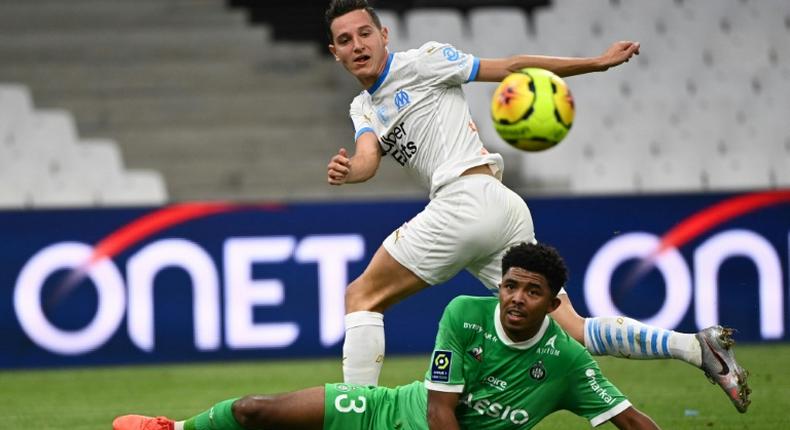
[[382, 76], [529, 343]]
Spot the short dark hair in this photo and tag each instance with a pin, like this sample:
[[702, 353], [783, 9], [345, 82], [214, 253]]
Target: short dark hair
[[538, 258], [341, 7]]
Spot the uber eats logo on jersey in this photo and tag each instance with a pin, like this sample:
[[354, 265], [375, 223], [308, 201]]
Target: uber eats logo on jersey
[[440, 365], [396, 144]]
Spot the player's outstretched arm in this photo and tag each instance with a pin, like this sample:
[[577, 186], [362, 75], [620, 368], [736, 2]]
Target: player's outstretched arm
[[496, 69], [632, 419], [441, 410], [360, 167]]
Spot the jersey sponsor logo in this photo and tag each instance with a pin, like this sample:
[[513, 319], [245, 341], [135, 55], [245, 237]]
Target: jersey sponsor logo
[[548, 348], [596, 387], [537, 371], [342, 387], [479, 329], [476, 353], [451, 54], [382, 114], [493, 381], [402, 99], [495, 409], [396, 144], [440, 365], [550, 342]]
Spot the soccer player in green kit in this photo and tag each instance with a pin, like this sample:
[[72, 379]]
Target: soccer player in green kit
[[498, 363]]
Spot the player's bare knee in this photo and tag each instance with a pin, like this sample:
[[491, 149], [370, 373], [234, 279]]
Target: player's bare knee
[[253, 411]]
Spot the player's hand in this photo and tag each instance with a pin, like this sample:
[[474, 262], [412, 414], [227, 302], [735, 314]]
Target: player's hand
[[338, 168], [619, 53]]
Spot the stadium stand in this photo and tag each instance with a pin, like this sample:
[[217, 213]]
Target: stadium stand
[[237, 100]]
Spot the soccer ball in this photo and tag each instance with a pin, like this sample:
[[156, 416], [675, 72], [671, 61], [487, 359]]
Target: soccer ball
[[532, 109]]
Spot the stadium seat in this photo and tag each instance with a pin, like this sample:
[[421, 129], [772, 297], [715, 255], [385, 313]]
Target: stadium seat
[[49, 132], [604, 176], [499, 31], [93, 162], [398, 40], [62, 191], [15, 111], [780, 171], [12, 197], [134, 188], [670, 173], [441, 25], [738, 171]]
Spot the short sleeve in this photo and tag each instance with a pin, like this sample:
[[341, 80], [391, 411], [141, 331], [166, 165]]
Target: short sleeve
[[590, 395], [362, 123], [447, 65], [446, 369]]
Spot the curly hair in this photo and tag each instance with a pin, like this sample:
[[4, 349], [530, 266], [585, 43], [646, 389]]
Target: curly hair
[[341, 7], [538, 258]]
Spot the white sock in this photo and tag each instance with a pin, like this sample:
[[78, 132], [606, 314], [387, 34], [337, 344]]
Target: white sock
[[363, 349], [629, 338], [179, 425]]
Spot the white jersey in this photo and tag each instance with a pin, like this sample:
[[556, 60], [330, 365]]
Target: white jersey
[[418, 111]]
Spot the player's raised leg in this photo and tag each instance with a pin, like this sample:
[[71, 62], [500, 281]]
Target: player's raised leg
[[298, 410], [383, 283], [710, 349]]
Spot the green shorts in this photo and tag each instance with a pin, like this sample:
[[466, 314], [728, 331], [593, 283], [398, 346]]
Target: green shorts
[[359, 407]]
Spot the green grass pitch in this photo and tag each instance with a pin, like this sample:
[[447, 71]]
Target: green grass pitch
[[675, 394]]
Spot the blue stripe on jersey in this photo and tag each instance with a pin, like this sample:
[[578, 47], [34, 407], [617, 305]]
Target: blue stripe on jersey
[[654, 342], [609, 336], [598, 336], [620, 340], [631, 346], [665, 343], [588, 327], [475, 69], [382, 76], [593, 332], [643, 340], [363, 130]]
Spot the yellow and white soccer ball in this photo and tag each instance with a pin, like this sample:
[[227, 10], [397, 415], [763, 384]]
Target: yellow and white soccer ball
[[532, 109]]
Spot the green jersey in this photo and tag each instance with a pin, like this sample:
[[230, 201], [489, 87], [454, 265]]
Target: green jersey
[[506, 384], [503, 384]]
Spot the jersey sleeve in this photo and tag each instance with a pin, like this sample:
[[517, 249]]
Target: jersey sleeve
[[446, 370], [362, 123], [589, 394], [444, 64]]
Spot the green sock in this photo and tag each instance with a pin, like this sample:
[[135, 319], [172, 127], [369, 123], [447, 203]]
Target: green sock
[[219, 417]]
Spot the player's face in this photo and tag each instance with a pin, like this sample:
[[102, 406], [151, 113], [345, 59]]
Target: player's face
[[524, 300], [359, 45]]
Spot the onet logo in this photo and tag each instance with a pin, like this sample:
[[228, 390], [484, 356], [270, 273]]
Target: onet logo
[[128, 296], [681, 283]]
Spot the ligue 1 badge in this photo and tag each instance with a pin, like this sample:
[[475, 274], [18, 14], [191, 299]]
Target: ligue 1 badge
[[537, 371]]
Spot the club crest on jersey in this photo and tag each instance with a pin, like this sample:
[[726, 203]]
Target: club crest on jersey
[[537, 371], [440, 365], [451, 54], [476, 353], [402, 99]]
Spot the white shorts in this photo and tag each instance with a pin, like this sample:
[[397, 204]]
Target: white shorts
[[470, 224]]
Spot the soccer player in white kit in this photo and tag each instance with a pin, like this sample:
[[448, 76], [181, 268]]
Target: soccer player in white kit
[[413, 111]]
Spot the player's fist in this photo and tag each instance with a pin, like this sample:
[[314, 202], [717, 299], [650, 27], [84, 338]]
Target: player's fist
[[338, 168], [619, 53]]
